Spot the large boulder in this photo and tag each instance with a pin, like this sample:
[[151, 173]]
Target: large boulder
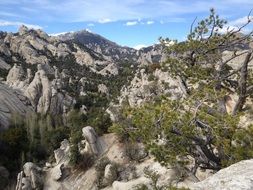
[[91, 137], [235, 177]]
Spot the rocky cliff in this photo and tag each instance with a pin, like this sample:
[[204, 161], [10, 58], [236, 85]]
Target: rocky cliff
[[52, 72]]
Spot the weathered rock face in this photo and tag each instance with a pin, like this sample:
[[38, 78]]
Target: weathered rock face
[[12, 102], [236, 177], [145, 87], [39, 91], [110, 174], [152, 54], [43, 95], [234, 63], [62, 154], [84, 58], [30, 178], [93, 141], [16, 77]]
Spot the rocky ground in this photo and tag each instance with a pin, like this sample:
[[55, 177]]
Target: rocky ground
[[112, 169]]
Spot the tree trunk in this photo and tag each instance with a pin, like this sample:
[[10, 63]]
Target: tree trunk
[[242, 85]]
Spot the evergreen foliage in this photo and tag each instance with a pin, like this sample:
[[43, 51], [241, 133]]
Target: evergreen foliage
[[199, 127]]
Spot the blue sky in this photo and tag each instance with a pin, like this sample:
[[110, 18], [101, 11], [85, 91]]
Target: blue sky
[[127, 22]]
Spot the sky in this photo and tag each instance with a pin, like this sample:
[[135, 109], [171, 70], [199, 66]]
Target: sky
[[133, 23]]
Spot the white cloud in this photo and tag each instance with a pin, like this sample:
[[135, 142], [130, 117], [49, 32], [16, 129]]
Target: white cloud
[[234, 25], [150, 22], [111, 10], [140, 46], [104, 20], [131, 23], [11, 23], [241, 21]]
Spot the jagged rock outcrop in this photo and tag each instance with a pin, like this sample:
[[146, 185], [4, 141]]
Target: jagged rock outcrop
[[62, 154], [12, 102], [93, 141], [145, 87], [152, 54], [39, 91], [4, 49], [16, 77], [23, 30], [31, 178]]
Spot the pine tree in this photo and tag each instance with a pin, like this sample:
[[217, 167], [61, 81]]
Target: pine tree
[[198, 127]]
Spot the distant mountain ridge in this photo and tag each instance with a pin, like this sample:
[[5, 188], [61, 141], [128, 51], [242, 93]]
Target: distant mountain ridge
[[106, 47]]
